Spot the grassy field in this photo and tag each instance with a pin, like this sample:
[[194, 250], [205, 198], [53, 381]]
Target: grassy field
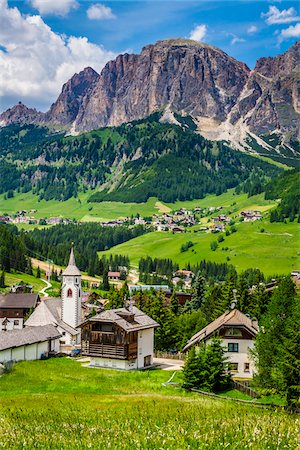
[[57, 404], [80, 209], [274, 251], [18, 277]]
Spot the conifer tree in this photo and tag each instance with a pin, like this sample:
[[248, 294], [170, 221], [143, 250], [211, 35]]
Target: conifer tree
[[38, 272], [199, 292], [2, 279], [105, 284]]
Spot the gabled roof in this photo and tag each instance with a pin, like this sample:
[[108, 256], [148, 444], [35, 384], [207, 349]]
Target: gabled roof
[[72, 269], [232, 318], [49, 312], [26, 336], [118, 316], [10, 301]]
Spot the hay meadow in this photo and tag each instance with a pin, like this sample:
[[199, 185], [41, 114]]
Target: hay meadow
[[58, 404]]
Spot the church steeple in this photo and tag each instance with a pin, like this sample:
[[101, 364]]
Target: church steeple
[[71, 268], [71, 293]]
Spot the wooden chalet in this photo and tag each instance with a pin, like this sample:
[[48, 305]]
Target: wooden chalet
[[119, 338]]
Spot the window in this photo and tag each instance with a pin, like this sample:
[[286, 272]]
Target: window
[[69, 293], [233, 347], [234, 367], [247, 367]]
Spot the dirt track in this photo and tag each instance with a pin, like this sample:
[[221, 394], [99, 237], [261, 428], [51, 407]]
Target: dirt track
[[45, 267]]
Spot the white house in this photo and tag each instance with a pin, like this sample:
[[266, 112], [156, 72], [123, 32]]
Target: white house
[[119, 338], [65, 312], [28, 343], [14, 308], [237, 332]]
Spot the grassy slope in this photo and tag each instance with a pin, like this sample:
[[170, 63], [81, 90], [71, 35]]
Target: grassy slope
[[113, 210], [274, 251], [18, 277], [58, 404]]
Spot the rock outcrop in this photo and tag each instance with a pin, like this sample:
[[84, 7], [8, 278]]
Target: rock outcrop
[[185, 76]]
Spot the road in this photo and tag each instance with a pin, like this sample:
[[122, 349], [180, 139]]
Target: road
[[169, 364]]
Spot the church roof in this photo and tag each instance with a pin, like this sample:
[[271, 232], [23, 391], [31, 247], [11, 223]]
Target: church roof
[[137, 320], [71, 269], [49, 312], [26, 336], [234, 318]]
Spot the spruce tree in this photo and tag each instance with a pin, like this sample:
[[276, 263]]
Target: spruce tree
[[198, 292], [38, 272], [105, 284], [2, 279]]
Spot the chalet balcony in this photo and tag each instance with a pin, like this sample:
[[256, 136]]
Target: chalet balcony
[[108, 346]]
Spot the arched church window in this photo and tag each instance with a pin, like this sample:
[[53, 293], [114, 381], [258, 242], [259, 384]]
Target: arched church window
[[69, 293]]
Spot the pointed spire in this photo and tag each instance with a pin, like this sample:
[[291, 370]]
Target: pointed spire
[[72, 269], [72, 256]]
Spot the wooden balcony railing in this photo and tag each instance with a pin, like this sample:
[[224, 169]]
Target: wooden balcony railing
[[128, 351]]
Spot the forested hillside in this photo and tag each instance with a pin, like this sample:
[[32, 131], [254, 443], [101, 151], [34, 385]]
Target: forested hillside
[[55, 242], [286, 188], [12, 250], [131, 162]]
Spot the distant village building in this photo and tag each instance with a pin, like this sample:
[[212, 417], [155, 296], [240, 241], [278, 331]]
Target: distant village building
[[14, 308], [114, 275], [237, 332], [147, 287], [119, 338], [28, 343], [250, 216], [64, 312], [21, 288]]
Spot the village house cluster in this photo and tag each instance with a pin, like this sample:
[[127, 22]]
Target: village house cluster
[[24, 217]]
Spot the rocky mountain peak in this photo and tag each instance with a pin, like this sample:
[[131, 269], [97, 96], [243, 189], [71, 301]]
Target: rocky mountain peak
[[21, 114], [65, 109]]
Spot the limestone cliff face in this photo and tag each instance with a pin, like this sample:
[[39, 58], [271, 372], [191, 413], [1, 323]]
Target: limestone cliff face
[[20, 114], [184, 75], [271, 97], [65, 109]]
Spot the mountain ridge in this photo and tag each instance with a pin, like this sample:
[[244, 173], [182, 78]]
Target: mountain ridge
[[227, 99]]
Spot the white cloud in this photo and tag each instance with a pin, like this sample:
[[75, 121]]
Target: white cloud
[[54, 7], [100, 12], [198, 33], [275, 16], [236, 40], [252, 29], [35, 61], [293, 31]]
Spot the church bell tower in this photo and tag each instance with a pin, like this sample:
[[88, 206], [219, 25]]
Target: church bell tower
[[71, 293]]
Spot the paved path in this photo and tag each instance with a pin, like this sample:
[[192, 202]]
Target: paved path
[[43, 291], [169, 364]]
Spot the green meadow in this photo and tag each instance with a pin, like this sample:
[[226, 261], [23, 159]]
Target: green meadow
[[81, 210], [58, 404], [36, 283], [271, 247]]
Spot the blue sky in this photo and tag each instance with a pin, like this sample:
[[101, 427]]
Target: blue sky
[[43, 42]]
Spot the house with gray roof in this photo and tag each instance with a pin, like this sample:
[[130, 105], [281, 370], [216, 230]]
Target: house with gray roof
[[28, 343], [14, 308], [237, 332], [119, 338]]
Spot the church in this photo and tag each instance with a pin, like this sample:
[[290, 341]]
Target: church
[[63, 312]]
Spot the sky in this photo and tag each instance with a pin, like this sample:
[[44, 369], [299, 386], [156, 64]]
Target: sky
[[44, 42]]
